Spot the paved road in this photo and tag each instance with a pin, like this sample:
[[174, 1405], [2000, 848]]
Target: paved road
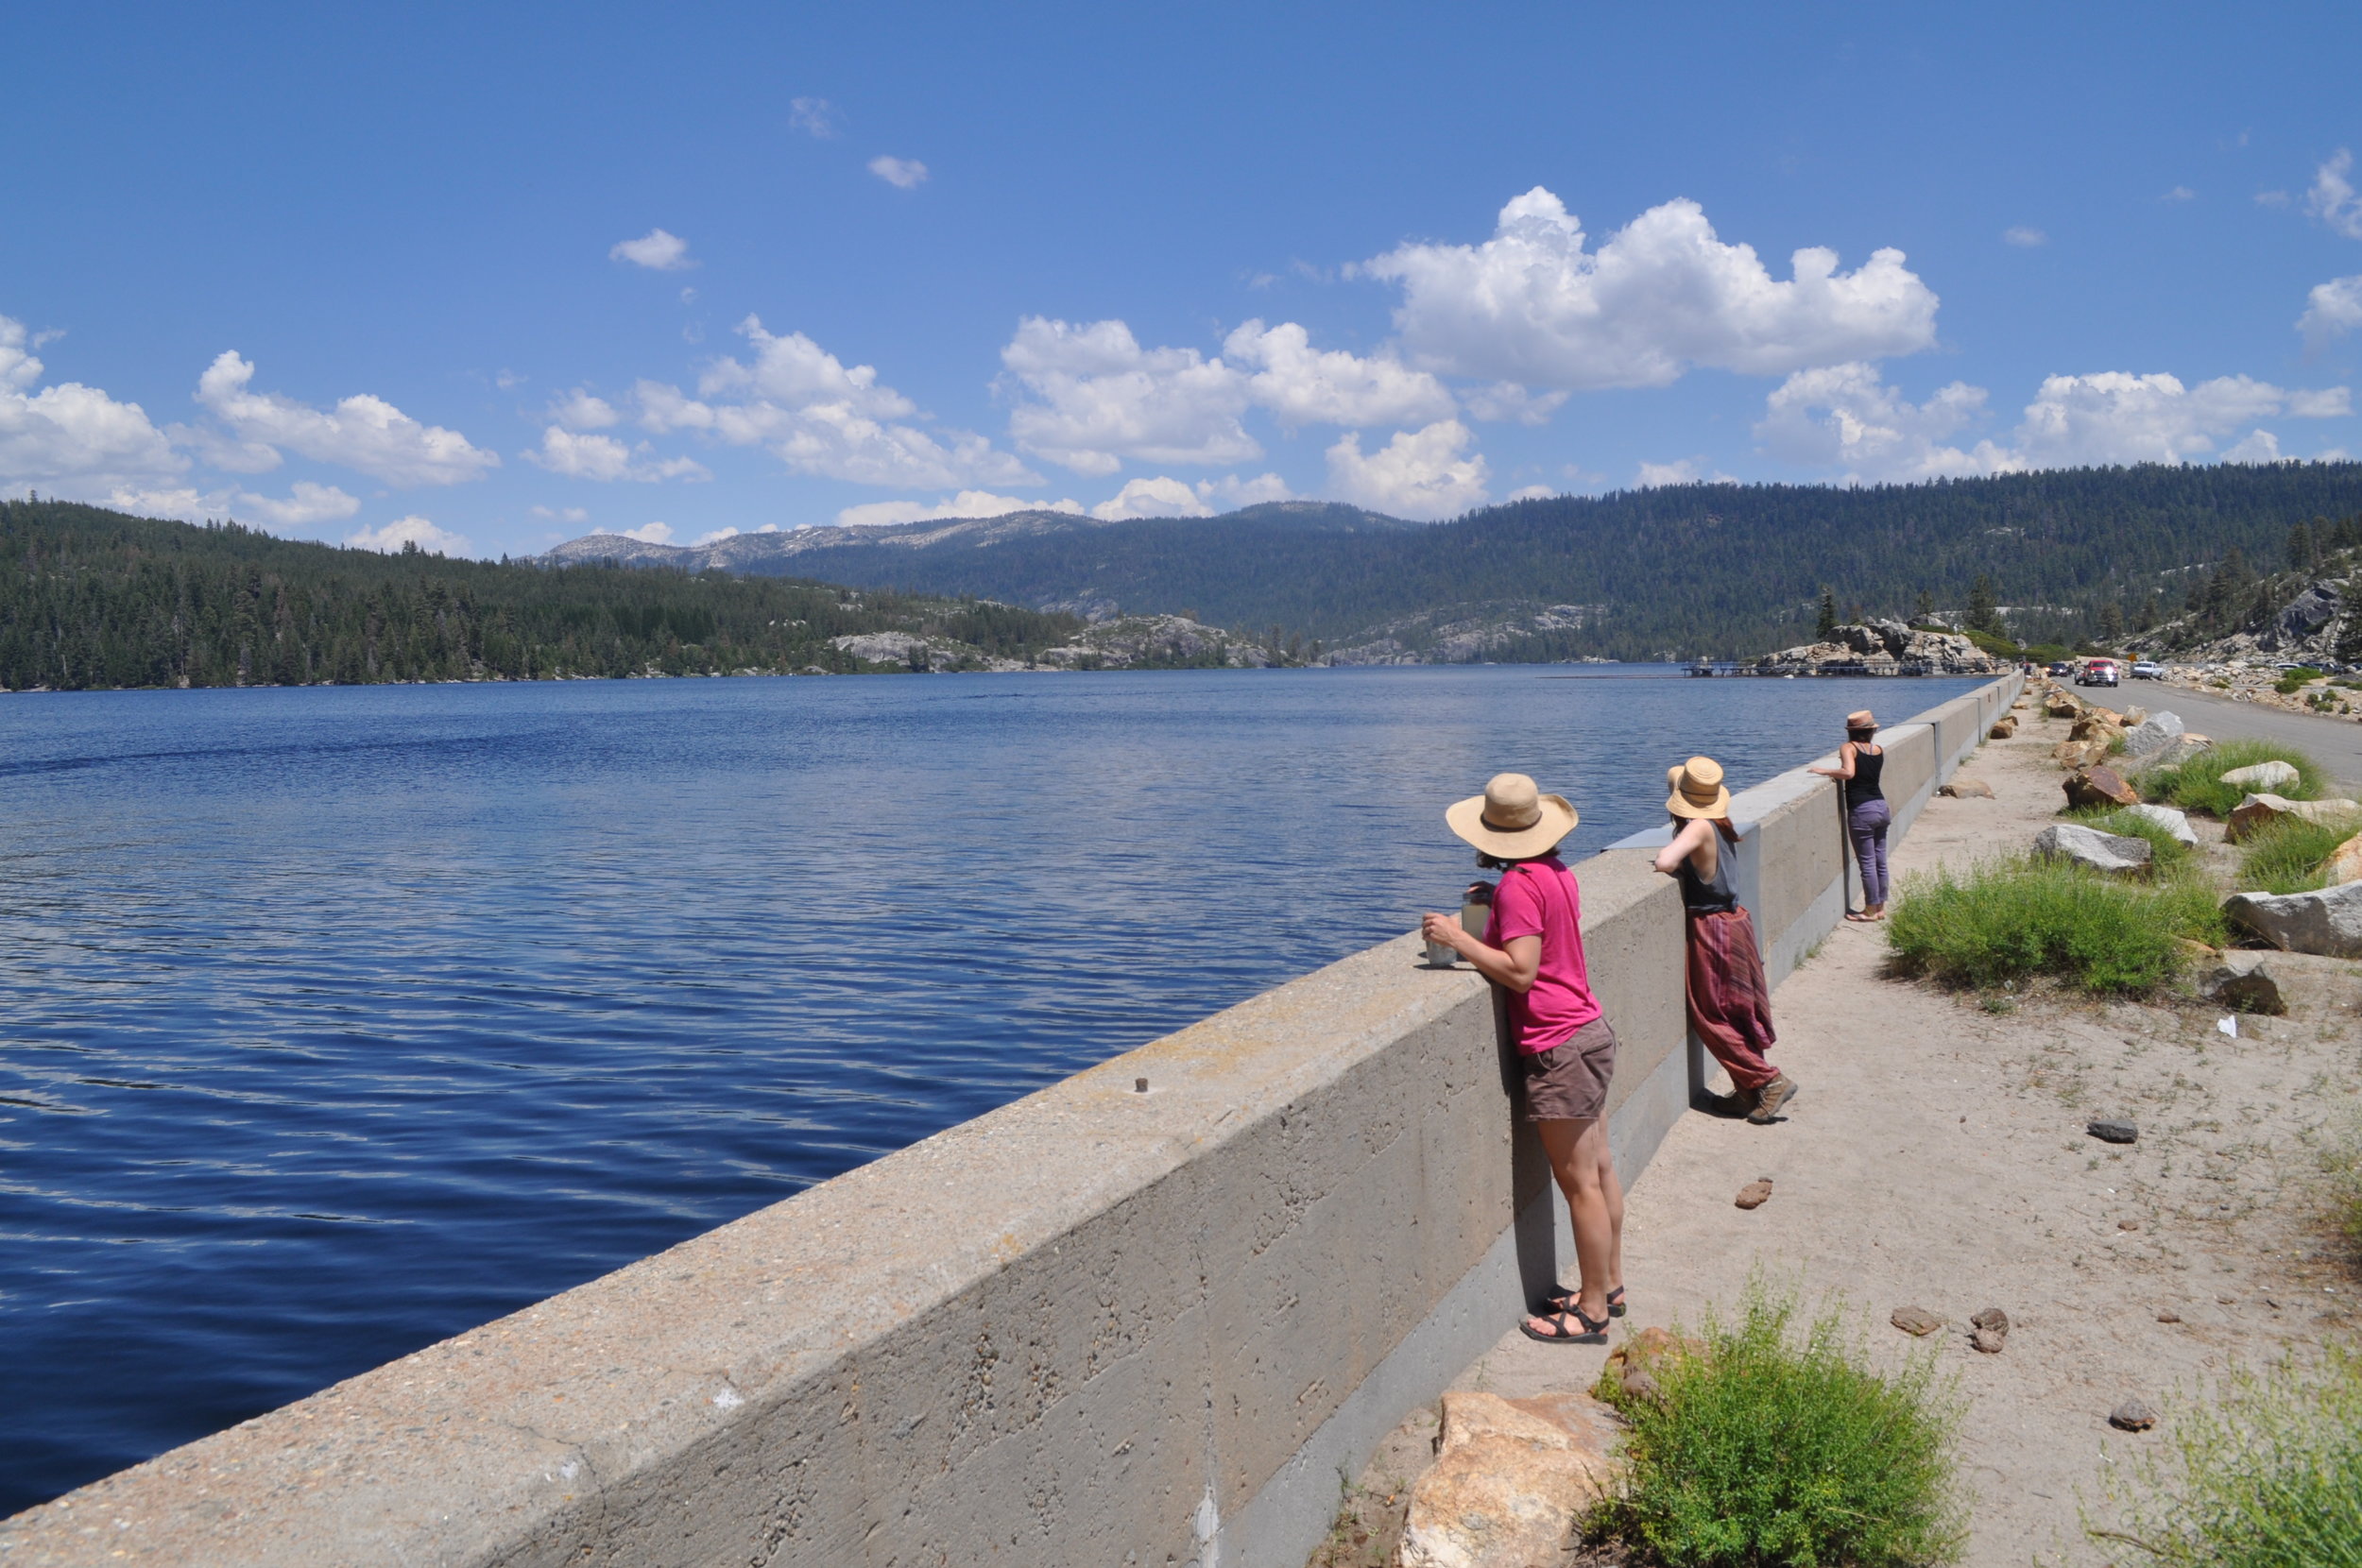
[[2336, 743]]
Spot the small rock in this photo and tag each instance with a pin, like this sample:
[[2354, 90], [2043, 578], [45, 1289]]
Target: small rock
[[2345, 861], [1639, 1383], [2152, 735], [2326, 921], [1967, 789], [2003, 727], [2261, 776], [2258, 812], [2245, 982], [2135, 716], [2128, 1224], [2059, 706], [2112, 853], [2114, 1131], [1991, 1318], [2173, 821], [1986, 1340], [1754, 1194], [1916, 1321], [2099, 787], [2169, 1316], [2132, 1416]]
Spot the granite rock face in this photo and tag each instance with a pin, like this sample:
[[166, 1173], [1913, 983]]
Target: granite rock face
[[2327, 921], [2112, 853], [2345, 861]]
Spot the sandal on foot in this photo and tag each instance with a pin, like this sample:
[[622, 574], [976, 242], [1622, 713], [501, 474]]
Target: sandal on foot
[[1594, 1331], [1560, 1300]]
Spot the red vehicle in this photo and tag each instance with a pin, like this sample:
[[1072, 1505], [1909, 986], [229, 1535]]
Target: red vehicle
[[2098, 671]]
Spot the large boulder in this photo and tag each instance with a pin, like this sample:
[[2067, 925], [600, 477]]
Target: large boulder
[[2152, 734], [1510, 1479], [2259, 812], [2173, 821], [2304, 615], [2112, 853], [2328, 921], [2244, 982], [2003, 727], [2177, 751], [2099, 787], [2079, 754], [2261, 776], [2061, 705], [2096, 722]]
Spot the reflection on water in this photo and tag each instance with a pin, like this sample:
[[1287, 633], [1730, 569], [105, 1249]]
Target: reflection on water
[[339, 1021]]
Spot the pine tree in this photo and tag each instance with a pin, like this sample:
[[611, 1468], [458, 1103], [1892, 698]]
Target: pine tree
[[2110, 623], [1827, 630], [1924, 611], [1984, 613], [2302, 556]]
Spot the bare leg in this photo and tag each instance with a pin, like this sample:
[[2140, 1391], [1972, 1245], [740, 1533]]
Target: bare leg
[[1585, 1168]]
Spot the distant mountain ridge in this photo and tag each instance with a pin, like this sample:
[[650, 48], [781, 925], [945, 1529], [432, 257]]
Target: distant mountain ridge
[[1720, 570]]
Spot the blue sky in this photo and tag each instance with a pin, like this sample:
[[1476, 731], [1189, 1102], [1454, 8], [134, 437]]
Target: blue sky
[[494, 277]]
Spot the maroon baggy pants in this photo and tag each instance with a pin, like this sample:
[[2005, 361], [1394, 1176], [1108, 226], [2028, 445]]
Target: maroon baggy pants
[[1730, 1004]]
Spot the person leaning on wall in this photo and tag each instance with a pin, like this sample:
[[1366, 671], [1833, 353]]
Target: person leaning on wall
[[1859, 762], [1730, 1002], [1532, 949]]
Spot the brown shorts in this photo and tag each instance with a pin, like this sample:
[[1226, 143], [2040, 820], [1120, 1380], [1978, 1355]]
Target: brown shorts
[[1568, 1082]]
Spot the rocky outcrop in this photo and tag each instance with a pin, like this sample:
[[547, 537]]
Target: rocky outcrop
[[1465, 634], [2112, 853], [2259, 812], [2328, 921], [1884, 647], [1511, 1478]]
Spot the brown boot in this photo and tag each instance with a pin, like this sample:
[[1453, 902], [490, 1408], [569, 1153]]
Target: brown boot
[[1771, 1098]]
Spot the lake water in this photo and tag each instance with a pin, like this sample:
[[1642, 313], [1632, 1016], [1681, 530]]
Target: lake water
[[339, 1021]]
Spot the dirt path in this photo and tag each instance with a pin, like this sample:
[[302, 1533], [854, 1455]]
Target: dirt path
[[1937, 1157]]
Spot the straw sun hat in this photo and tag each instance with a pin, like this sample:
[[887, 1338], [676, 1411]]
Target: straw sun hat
[[1698, 790], [1860, 719], [1513, 819]]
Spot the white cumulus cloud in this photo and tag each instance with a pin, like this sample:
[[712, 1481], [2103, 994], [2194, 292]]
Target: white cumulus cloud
[[605, 458], [306, 503], [561, 514], [2117, 416], [820, 417], [650, 533], [411, 530], [1505, 400], [903, 174], [967, 503], [2024, 237], [2331, 311], [1229, 492], [1152, 497], [1533, 492], [1533, 305], [1846, 416], [1303, 385], [580, 410], [70, 439], [1095, 396], [1419, 473], [1682, 470], [656, 250], [2331, 200], [361, 432]]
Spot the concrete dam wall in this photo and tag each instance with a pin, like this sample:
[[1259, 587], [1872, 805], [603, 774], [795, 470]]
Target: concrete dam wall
[[1097, 1327]]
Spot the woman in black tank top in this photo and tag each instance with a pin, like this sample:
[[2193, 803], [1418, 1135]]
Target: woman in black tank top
[[1859, 762]]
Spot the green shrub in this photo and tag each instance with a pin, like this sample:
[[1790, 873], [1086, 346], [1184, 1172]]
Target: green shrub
[[2197, 785], [2286, 857], [2270, 1476], [2169, 856], [2011, 919], [2342, 1163], [2291, 681], [1767, 1448]]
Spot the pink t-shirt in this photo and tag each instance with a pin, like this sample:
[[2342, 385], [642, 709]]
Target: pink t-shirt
[[1540, 899]]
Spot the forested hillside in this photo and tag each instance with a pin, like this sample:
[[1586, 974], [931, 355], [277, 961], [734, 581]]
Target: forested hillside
[[1719, 570], [92, 598]]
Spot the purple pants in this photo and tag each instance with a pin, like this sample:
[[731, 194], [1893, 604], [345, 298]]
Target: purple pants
[[1868, 823]]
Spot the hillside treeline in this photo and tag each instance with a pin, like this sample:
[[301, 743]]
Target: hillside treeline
[[1714, 570], [91, 598]]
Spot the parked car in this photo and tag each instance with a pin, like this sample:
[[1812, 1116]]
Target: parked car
[[2098, 672], [2148, 669]]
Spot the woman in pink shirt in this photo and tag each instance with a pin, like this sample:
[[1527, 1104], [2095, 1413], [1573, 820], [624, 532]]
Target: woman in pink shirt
[[1532, 949]]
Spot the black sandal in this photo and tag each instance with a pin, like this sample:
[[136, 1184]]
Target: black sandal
[[1593, 1332], [1560, 1300]]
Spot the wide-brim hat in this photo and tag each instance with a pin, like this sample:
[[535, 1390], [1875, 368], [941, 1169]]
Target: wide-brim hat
[[1860, 719], [1698, 789], [1513, 819]]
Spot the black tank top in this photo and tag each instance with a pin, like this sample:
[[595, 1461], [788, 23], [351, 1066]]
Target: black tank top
[[1863, 786], [1709, 894]]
